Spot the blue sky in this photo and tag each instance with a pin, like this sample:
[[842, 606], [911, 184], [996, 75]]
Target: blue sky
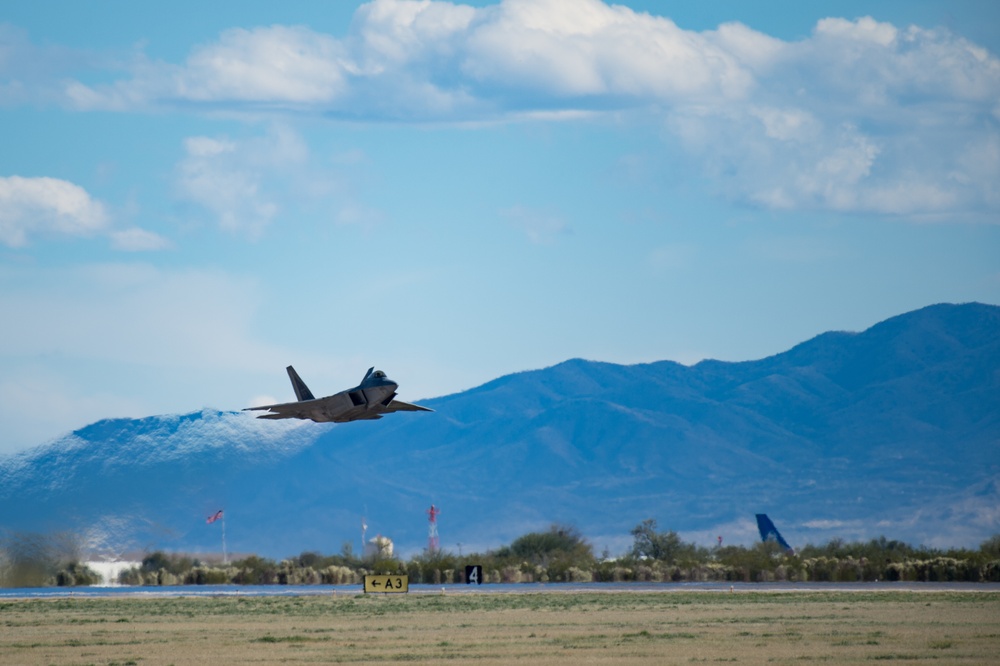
[[192, 197]]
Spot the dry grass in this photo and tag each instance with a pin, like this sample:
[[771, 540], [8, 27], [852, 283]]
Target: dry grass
[[548, 628]]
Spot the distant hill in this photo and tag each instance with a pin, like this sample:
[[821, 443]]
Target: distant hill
[[892, 431]]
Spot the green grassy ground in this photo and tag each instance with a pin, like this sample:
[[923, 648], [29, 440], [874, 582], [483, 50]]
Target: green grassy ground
[[543, 628]]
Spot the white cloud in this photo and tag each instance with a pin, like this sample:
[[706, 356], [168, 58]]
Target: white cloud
[[271, 67], [46, 206], [51, 207], [753, 49], [239, 181], [203, 146], [278, 63], [390, 33], [860, 116], [135, 239], [863, 30], [827, 524], [445, 61], [788, 124], [248, 183], [579, 49]]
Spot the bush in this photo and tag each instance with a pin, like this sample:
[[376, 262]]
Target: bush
[[991, 548], [388, 566], [207, 576], [339, 575], [131, 576], [255, 571], [76, 574], [561, 543], [178, 565]]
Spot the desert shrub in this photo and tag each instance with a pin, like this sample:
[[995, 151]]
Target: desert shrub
[[388, 566], [255, 570], [560, 542], [990, 548], [164, 577], [207, 576], [76, 574], [511, 574], [132, 576], [990, 572], [422, 568], [339, 575], [177, 565], [610, 571]]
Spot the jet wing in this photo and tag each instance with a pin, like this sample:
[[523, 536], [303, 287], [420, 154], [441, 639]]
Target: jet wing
[[400, 406], [287, 410]]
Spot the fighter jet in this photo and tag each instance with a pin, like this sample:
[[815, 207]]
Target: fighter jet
[[370, 399]]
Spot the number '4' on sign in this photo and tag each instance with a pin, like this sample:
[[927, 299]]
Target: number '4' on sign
[[474, 574]]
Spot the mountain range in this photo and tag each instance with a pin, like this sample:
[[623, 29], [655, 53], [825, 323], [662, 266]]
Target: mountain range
[[891, 431]]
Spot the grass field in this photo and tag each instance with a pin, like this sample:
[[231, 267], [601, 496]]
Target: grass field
[[534, 628]]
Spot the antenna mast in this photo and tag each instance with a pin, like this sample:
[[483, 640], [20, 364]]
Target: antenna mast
[[364, 532]]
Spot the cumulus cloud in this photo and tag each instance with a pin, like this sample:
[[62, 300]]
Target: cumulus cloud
[[860, 116], [247, 183], [590, 53], [51, 207], [271, 67], [423, 60], [237, 180], [46, 206]]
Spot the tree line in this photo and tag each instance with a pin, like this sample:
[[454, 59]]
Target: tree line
[[560, 554]]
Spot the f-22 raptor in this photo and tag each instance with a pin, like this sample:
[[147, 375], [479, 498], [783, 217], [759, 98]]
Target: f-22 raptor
[[373, 397]]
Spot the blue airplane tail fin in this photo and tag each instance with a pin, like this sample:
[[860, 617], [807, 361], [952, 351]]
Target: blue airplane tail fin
[[768, 532], [302, 391]]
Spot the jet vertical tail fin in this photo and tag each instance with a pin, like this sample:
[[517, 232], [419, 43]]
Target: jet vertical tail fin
[[768, 532], [302, 391]]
